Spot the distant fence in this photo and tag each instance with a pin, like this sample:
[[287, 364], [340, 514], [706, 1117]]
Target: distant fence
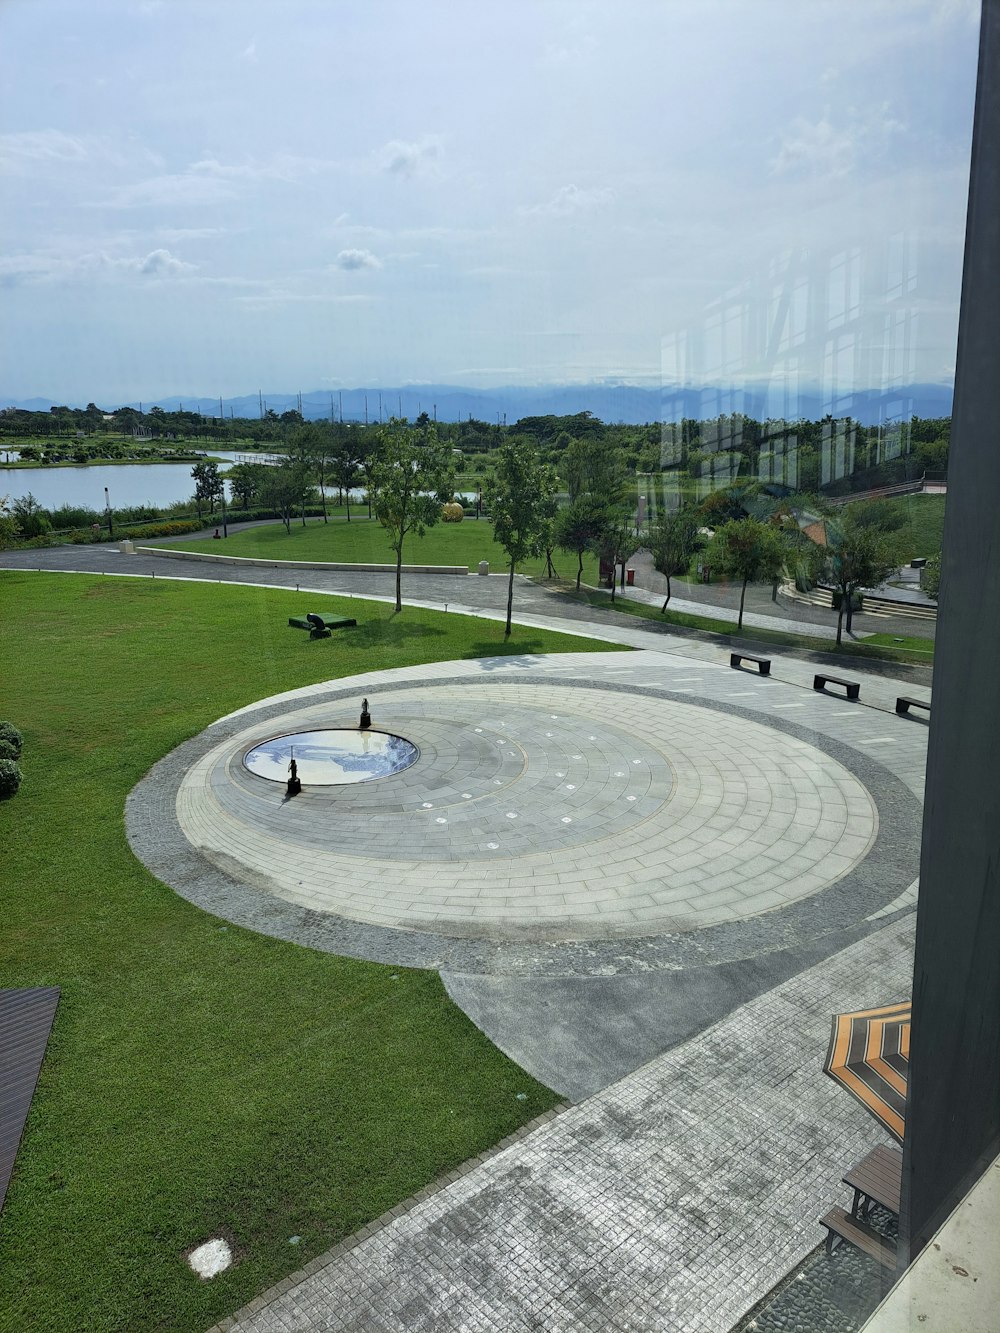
[[937, 480]]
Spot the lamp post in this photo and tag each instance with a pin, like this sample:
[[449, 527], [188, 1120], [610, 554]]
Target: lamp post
[[107, 506], [225, 530]]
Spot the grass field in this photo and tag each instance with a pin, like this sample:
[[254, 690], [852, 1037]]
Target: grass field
[[200, 1078], [362, 541], [924, 528]]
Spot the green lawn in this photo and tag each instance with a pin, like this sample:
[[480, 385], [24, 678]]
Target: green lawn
[[362, 541], [200, 1078], [924, 527]]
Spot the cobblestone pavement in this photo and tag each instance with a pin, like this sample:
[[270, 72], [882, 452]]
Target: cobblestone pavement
[[674, 1200]]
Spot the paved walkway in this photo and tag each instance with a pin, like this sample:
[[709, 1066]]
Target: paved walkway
[[673, 1200]]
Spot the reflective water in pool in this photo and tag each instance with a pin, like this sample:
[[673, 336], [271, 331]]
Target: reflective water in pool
[[331, 757]]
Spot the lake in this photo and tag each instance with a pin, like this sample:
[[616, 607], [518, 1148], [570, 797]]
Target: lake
[[128, 484]]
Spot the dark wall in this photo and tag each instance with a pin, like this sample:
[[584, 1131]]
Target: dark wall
[[953, 1110]]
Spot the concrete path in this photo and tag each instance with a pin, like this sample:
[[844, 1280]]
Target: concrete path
[[674, 1200]]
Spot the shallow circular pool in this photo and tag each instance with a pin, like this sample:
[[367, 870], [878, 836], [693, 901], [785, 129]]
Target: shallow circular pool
[[331, 757]]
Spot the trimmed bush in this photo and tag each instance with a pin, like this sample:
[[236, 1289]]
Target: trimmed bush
[[10, 734], [7, 750], [452, 512], [10, 779]]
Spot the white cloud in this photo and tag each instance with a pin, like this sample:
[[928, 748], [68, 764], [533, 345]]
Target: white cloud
[[569, 200], [822, 148], [401, 158], [249, 52], [161, 264], [357, 259], [43, 267]]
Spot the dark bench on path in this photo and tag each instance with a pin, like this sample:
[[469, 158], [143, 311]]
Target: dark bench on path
[[853, 687], [840, 1225], [903, 705], [319, 627], [876, 1179], [764, 663]]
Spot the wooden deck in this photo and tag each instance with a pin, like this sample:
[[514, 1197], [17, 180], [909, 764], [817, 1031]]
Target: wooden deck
[[25, 1022]]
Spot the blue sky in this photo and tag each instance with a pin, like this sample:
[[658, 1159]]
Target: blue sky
[[207, 197]]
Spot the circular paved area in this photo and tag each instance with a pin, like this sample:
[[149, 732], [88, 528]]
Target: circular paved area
[[546, 812], [772, 793]]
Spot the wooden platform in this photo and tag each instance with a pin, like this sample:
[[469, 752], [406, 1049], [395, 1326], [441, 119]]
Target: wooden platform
[[25, 1022]]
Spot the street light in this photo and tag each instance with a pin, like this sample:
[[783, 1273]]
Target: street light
[[225, 530], [107, 506]]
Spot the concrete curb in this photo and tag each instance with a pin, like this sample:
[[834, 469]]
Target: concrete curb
[[297, 564]]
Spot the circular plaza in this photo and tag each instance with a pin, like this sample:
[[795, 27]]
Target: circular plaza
[[563, 814]]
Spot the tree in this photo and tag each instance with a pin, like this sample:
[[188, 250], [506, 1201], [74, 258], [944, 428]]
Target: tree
[[9, 535], [672, 543], [285, 488], [748, 550], [346, 466], [245, 481], [615, 540], [207, 485], [860, 556], [930, 577], [576, 528], [411, 469], [29, 517], [520, 497]]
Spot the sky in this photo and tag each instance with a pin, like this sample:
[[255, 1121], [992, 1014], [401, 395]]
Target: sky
[[210, 197]]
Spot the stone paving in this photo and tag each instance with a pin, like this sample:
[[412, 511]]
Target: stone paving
[[672, 817], [674, 1200]]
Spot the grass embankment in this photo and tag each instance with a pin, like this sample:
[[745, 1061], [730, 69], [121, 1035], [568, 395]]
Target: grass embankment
[[884, 647], [365, 542], [924, 528], [201, 1078]]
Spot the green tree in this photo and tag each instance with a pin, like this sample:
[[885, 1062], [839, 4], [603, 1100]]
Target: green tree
[[672, 542], [285, 489], [747, 550], [615, 540], [29, 517], [930, 577], [576, 528], [207, 485], [520, 498], [860, 556], [9, 535], [412, 467], [245, 481]]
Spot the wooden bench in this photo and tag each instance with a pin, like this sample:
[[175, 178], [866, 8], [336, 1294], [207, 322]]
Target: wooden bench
[[763, 663], [903, 705], [876, 1179], [853, 687], [841, 1226], [319, 627]]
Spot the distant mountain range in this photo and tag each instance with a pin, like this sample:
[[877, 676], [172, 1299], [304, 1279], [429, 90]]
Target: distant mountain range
[[626, 403]]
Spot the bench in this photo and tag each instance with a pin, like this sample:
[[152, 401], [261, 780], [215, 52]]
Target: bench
[[876, 1179], [903, 705], [853, 687], [319, 627], [841, 1226], [764, 663]]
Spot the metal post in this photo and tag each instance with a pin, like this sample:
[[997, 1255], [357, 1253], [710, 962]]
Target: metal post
[[107, 506]]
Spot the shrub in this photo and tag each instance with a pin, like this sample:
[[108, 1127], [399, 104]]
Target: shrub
[[10, 779], [10, 734], [7, 750], [452, 513]]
